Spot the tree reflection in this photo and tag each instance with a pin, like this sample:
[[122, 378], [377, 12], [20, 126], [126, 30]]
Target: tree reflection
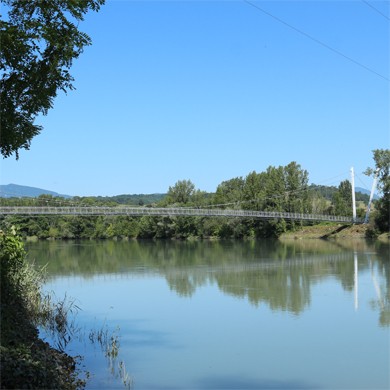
[[382, 269], [278, 274]]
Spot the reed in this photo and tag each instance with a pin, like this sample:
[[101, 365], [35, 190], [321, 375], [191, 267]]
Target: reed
[[110, 346]]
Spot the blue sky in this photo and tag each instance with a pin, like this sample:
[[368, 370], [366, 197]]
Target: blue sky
[[211, 90]]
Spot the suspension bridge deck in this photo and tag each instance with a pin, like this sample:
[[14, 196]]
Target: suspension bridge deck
[[169, 211]]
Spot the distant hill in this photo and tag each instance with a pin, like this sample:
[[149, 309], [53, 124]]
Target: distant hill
[[17, 191], [365, 192]]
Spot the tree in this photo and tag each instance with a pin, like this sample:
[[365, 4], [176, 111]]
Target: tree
[[296, 184], [254, 191], [181, 192], [39, 41], [275, 189], [229, 192], [342, 199], [382, 169]]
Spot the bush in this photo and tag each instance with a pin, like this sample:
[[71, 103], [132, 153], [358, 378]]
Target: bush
[[27, 361], [20, 282]]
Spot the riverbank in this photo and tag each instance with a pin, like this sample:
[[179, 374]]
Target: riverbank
[[26, 361], [29, 362], [332, 231]]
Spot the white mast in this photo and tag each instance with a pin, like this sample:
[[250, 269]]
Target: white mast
[[371, 196], [353, 195]]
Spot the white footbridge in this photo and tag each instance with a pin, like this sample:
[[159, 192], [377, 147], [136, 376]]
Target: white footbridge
[[170, 212]]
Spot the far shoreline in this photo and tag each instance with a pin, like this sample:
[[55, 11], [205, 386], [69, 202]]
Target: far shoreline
[[323, 231]]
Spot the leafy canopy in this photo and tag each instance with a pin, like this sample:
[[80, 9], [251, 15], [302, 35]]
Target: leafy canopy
[[39, 40], [382, 170], [181, 192]]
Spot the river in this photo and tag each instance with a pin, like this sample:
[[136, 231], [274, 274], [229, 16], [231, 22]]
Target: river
[[303, 314]]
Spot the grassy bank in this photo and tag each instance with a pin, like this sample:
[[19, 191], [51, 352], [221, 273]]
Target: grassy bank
[[27, 362], [333, 231]]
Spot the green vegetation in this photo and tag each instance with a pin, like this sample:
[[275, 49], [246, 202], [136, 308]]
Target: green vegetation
[[342, 199], [26, 361], [109, 344], [328, 193], [283, 188], [132, 200], [382, 170], [39, 40]]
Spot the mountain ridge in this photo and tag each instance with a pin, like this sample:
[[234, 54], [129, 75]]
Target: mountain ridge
[[19, 191]]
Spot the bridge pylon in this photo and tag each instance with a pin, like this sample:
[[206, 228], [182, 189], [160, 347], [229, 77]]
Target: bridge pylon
[[353, 195]]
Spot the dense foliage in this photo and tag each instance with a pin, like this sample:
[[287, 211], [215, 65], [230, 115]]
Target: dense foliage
[[342, 199], [39, 41], [26, 361], [382, 171], [133, 200], [283, 188], [328, 192]]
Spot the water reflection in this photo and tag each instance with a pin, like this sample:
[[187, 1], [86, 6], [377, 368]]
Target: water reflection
[[280, 275]]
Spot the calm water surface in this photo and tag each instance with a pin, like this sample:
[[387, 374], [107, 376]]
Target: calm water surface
[[228, 315]]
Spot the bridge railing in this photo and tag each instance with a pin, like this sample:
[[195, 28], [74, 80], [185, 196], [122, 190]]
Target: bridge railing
[[159, 211]]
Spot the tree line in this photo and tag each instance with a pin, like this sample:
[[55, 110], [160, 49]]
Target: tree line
[[283, 189]]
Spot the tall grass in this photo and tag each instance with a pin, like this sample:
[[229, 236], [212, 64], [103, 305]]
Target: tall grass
[[27, 361], [20, 282]]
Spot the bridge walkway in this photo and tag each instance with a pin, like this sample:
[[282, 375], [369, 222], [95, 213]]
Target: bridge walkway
[[169, 211]]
